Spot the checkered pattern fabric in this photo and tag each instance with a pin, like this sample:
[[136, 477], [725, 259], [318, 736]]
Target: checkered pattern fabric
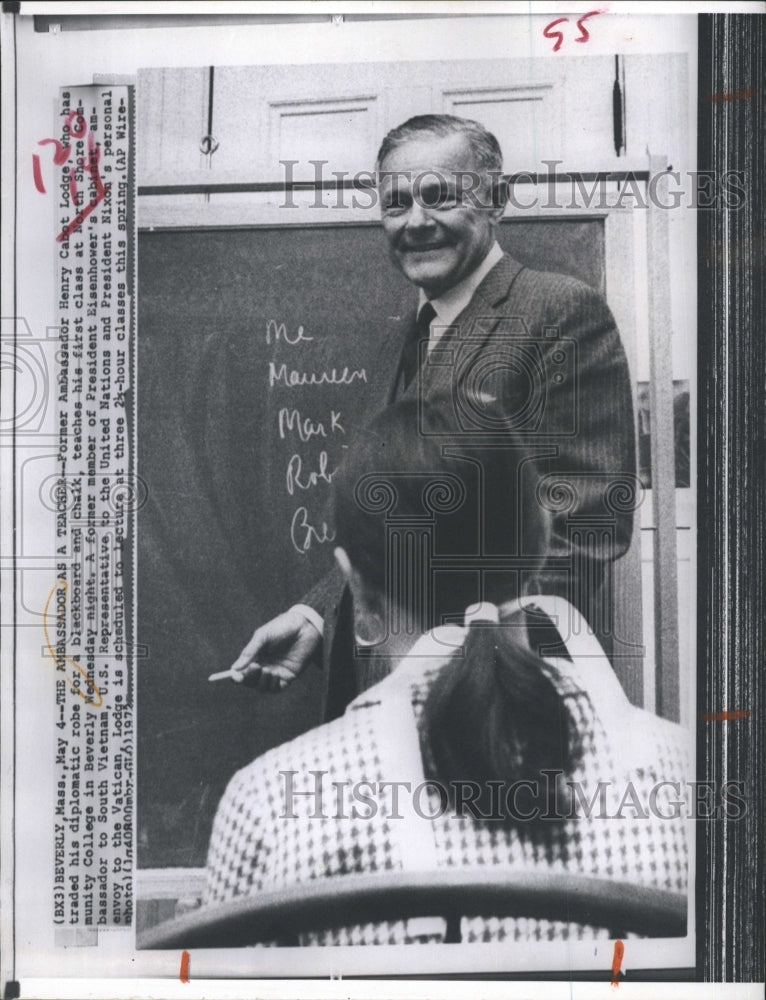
[[298, 813]]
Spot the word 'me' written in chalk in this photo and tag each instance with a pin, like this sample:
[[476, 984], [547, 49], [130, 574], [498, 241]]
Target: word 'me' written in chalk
[[79, 134], [308, 472], [552, 30], [278, 331]]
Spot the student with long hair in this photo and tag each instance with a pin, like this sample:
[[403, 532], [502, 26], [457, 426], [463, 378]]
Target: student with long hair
[[468, 743]]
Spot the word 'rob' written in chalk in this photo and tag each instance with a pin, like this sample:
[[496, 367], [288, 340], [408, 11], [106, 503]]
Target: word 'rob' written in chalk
[[298, 479]]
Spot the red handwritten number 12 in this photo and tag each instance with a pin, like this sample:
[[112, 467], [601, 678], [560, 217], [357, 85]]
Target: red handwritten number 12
[[77, 130], [550, 32]]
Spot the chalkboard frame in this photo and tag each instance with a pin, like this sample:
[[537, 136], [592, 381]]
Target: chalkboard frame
[[622, 241]]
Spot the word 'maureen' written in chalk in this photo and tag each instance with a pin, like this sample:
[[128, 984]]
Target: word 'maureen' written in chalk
[[280, 375]]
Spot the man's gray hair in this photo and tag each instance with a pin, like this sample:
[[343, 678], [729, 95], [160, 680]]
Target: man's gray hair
[[485, 147]]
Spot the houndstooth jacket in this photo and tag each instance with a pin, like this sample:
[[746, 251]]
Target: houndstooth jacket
[[314, 807]]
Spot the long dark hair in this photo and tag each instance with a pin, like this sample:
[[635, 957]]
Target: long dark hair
[[493, 714]]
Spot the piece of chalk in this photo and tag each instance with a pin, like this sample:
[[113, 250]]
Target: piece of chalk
[[222, 675]]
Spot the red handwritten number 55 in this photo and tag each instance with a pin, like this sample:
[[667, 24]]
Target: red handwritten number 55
[[550, 29]]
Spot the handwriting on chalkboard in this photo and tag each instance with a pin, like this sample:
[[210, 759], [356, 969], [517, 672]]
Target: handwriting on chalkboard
[[278, 331], [302, 534], [307, 474], [281, 376], [297, 479], [306, 428]]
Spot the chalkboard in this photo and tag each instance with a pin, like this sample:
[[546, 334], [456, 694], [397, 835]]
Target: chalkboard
[[256, 361]]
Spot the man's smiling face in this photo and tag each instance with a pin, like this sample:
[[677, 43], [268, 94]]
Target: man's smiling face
[[436, 237]]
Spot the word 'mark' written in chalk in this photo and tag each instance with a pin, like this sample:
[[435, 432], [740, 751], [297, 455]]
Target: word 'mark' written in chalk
[[293, 421]]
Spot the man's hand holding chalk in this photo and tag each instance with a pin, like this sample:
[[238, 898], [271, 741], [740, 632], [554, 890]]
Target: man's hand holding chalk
[[276, 654]]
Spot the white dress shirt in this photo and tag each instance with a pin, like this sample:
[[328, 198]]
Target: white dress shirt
[[449, 305]]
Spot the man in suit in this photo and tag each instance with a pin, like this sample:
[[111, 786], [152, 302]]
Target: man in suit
[[496, 345]]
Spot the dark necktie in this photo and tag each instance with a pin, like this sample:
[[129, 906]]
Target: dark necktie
[[411, 350]]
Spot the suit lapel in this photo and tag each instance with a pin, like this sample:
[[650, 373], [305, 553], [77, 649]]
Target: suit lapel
[[476, 322]]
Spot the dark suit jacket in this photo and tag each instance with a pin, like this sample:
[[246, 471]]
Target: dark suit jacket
[[538, 353]]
